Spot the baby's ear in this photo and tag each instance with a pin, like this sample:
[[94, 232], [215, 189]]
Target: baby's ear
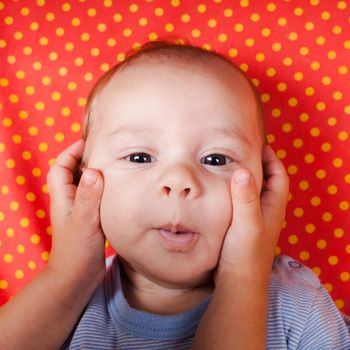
[[78, 171]]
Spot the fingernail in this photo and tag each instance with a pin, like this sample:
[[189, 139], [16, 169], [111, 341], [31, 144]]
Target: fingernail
[[243, 177], [89, 177]]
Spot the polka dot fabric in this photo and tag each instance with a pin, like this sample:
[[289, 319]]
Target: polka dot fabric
[[296, 52]]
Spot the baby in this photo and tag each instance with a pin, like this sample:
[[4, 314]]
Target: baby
[[174, 130]]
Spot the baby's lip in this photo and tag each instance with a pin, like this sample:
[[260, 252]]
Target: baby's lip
[[175, 228]]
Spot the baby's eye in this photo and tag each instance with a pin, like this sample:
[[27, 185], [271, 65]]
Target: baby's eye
[[139, 158], [216, 159]]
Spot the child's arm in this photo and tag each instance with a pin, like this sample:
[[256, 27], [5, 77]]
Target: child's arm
[[43, 314], [236, 317]]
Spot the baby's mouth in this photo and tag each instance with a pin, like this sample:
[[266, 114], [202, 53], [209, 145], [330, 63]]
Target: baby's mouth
[[177, 235]]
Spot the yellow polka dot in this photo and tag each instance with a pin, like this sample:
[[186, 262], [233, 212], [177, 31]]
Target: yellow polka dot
[[31, 264], [185, 18], [282, 87], [260, 57], [16, 139], [10, 232], [45, 188], [249, 42], [266, 32], [339, 232], [3, 284], [59, 137], [271, 72], [320, 40], [337, 162], [315, 65], [49, 121], [326, 147], [315, 201], [304, 51], [75, 127], [35, 239], [332, 189], [196, 33], [14, 205], [159, 11], [255, 17], [309, 91], [40, 213], [169, 27], [175, 3], [2, 216], [304, 255], [30, 197], [347, 44], [329, 287], [282, 21], [309, 158], [81, 101], [321, 244], [287, 127], [36, 172], [50, 16], [271, 138], [293, 102], [4, 189], [281, 154], [46, 81], [332, 121], [298, 76], [344, 205], [347, 248], [293, 239], [8, 258], [133, 8], [228, 12], [347, 109], [45, 255], [321, 174], [326, 80], [343, 70], [13, 98], [315, 132], [320, 106], [239, 27], [317, 271], [310, 228], [344, 276], [201, 8], [153, 36], [20, 180], [222, 37], [287, 61], [66, 111], [19, 274], [298, 143], [271, 7], [298, 212], [43, 146], [276, 47], [327, 216], [347, 178], [21, 248], [55, 96], [10, 163], [40, 105], [8, 20], [333, 260], [127, 32], [292, 169], [293, 36]]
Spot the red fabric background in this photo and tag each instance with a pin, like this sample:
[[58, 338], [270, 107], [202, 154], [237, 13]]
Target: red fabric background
[[296, 52]]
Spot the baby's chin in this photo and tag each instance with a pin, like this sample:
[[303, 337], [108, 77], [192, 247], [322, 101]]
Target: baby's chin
[[171, 277]]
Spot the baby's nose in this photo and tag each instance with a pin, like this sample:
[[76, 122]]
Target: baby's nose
[[180, 181]]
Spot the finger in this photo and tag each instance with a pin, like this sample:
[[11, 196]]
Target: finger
[[275, 192], [247, 214], [60, 178], [86, 213]]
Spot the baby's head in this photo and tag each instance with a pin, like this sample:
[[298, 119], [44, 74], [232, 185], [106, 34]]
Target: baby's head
[[167, 128]]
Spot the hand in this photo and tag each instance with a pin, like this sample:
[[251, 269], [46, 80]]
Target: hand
[[248, 248], [78, 240]]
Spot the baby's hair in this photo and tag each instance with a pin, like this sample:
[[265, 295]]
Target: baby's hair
[[164, 51]]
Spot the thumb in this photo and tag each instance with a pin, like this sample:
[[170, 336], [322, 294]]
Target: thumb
[[86, 211], [246, 202]]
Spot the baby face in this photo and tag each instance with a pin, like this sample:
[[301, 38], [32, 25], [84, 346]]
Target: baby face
[[167, 139]]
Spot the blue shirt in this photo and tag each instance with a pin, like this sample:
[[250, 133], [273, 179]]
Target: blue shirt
[[301, 315]]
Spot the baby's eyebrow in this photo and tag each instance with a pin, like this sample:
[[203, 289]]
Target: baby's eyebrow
[[235, 133], [129, 130]]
